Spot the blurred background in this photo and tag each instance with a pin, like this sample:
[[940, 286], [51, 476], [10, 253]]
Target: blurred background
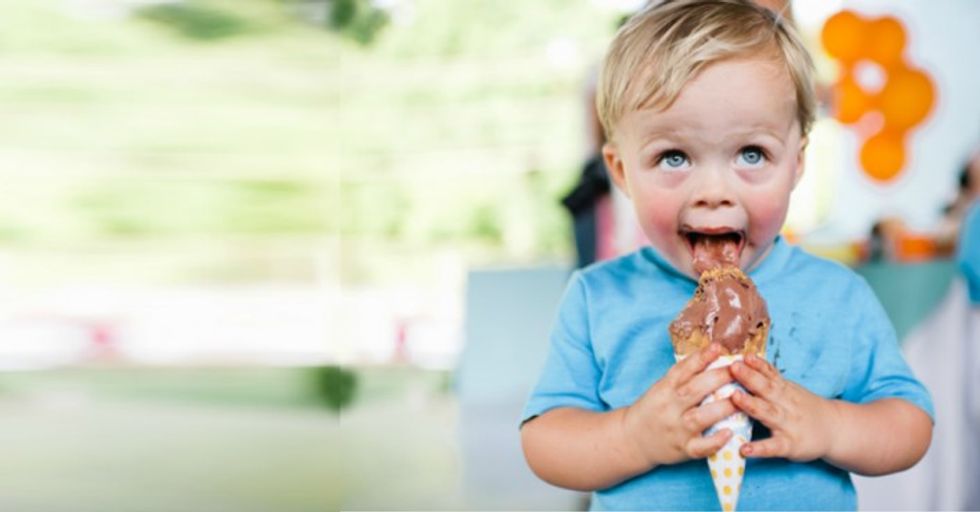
[[304, 254]]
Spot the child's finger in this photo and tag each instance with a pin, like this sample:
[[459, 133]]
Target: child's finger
[[694, 364], [755, 381], [701, 385], [761, 365], [756, 408], [698, 419], [771, 447], [699, 447]]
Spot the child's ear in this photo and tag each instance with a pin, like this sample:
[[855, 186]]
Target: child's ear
[[614, 164], [800, 161]]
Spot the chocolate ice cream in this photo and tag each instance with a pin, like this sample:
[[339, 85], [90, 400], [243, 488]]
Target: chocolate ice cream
[[726, 307]]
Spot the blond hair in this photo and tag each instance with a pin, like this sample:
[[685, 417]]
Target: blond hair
[[662, 47]]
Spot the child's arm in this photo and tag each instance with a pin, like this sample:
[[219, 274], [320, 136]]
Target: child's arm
[[586, 450], [880, 437], [876, 438]]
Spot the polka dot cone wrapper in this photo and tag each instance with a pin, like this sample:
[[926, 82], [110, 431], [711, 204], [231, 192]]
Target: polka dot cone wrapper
[[728, 466]]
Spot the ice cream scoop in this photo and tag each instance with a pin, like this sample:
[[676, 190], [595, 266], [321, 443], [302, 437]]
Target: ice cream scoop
[[726, 309]]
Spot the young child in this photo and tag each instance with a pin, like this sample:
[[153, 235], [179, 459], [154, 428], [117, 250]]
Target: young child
[[706, 105]]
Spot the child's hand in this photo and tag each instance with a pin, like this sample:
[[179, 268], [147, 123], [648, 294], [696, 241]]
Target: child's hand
[[801, 422], [665, 425]]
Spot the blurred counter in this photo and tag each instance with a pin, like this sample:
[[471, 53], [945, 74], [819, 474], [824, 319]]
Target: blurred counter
[[909, 291]]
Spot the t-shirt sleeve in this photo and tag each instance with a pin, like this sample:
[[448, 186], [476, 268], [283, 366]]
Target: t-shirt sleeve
[[571, 375], [878, 369]]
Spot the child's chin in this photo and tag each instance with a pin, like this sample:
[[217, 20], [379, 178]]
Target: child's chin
[[687, 268]]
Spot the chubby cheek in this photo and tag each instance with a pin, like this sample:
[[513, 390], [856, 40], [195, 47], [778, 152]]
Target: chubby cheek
[[658, 217], [766, 218]]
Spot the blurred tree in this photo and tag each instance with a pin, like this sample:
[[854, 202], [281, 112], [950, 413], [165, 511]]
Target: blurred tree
[[159, 208], [195, 21], [359, 20], [484, 222], [285, 134], [335, 386]]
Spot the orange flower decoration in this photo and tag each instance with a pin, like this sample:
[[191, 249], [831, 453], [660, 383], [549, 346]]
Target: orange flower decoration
[[870, 50]]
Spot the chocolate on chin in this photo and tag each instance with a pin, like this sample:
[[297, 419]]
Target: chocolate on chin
[[715, 251]]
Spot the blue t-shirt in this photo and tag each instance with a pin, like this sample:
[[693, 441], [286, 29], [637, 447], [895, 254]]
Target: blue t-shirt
[[829, 334]]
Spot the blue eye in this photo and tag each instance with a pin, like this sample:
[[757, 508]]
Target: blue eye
[[751, 156], [673, 159]]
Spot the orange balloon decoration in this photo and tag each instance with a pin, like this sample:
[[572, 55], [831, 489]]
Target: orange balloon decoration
[[883, 155], [852, 101], [842, 36], [904, 100], [886, 41]]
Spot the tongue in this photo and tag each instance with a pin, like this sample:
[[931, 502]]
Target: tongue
[[715, 251]]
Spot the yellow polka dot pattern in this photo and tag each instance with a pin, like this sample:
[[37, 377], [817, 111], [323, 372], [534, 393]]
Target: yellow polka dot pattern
[[728, 466]]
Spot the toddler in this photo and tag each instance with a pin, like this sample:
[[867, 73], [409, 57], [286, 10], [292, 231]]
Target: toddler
[[706, 105]]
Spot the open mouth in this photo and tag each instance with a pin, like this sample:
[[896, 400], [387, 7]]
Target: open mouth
[[713, 237]]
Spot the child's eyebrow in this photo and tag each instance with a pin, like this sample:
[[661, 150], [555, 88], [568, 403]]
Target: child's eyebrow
[[769, 132], [780, 133], [650, 136], [671, 137], [674, 136]]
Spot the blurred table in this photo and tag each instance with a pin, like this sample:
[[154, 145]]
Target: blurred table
[[509, 313], [909, 291]]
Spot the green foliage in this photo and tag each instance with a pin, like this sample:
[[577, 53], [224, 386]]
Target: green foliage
[[356, 19], [484, 223], [194, 21], [335, 386], [425, 138], [274, 206], [376, 208], [128, 209]]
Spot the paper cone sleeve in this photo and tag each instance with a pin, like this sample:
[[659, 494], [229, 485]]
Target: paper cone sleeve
[[727, 466]]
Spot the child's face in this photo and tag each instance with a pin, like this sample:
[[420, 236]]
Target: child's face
[[723, 158]]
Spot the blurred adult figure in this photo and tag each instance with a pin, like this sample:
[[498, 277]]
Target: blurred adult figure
[[968, 256], [589, 198], [967, 194]]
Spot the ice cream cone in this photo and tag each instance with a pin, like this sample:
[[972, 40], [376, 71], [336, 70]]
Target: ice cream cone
[[726, 309]]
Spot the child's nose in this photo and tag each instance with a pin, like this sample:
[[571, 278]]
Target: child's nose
[[712, 191]]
